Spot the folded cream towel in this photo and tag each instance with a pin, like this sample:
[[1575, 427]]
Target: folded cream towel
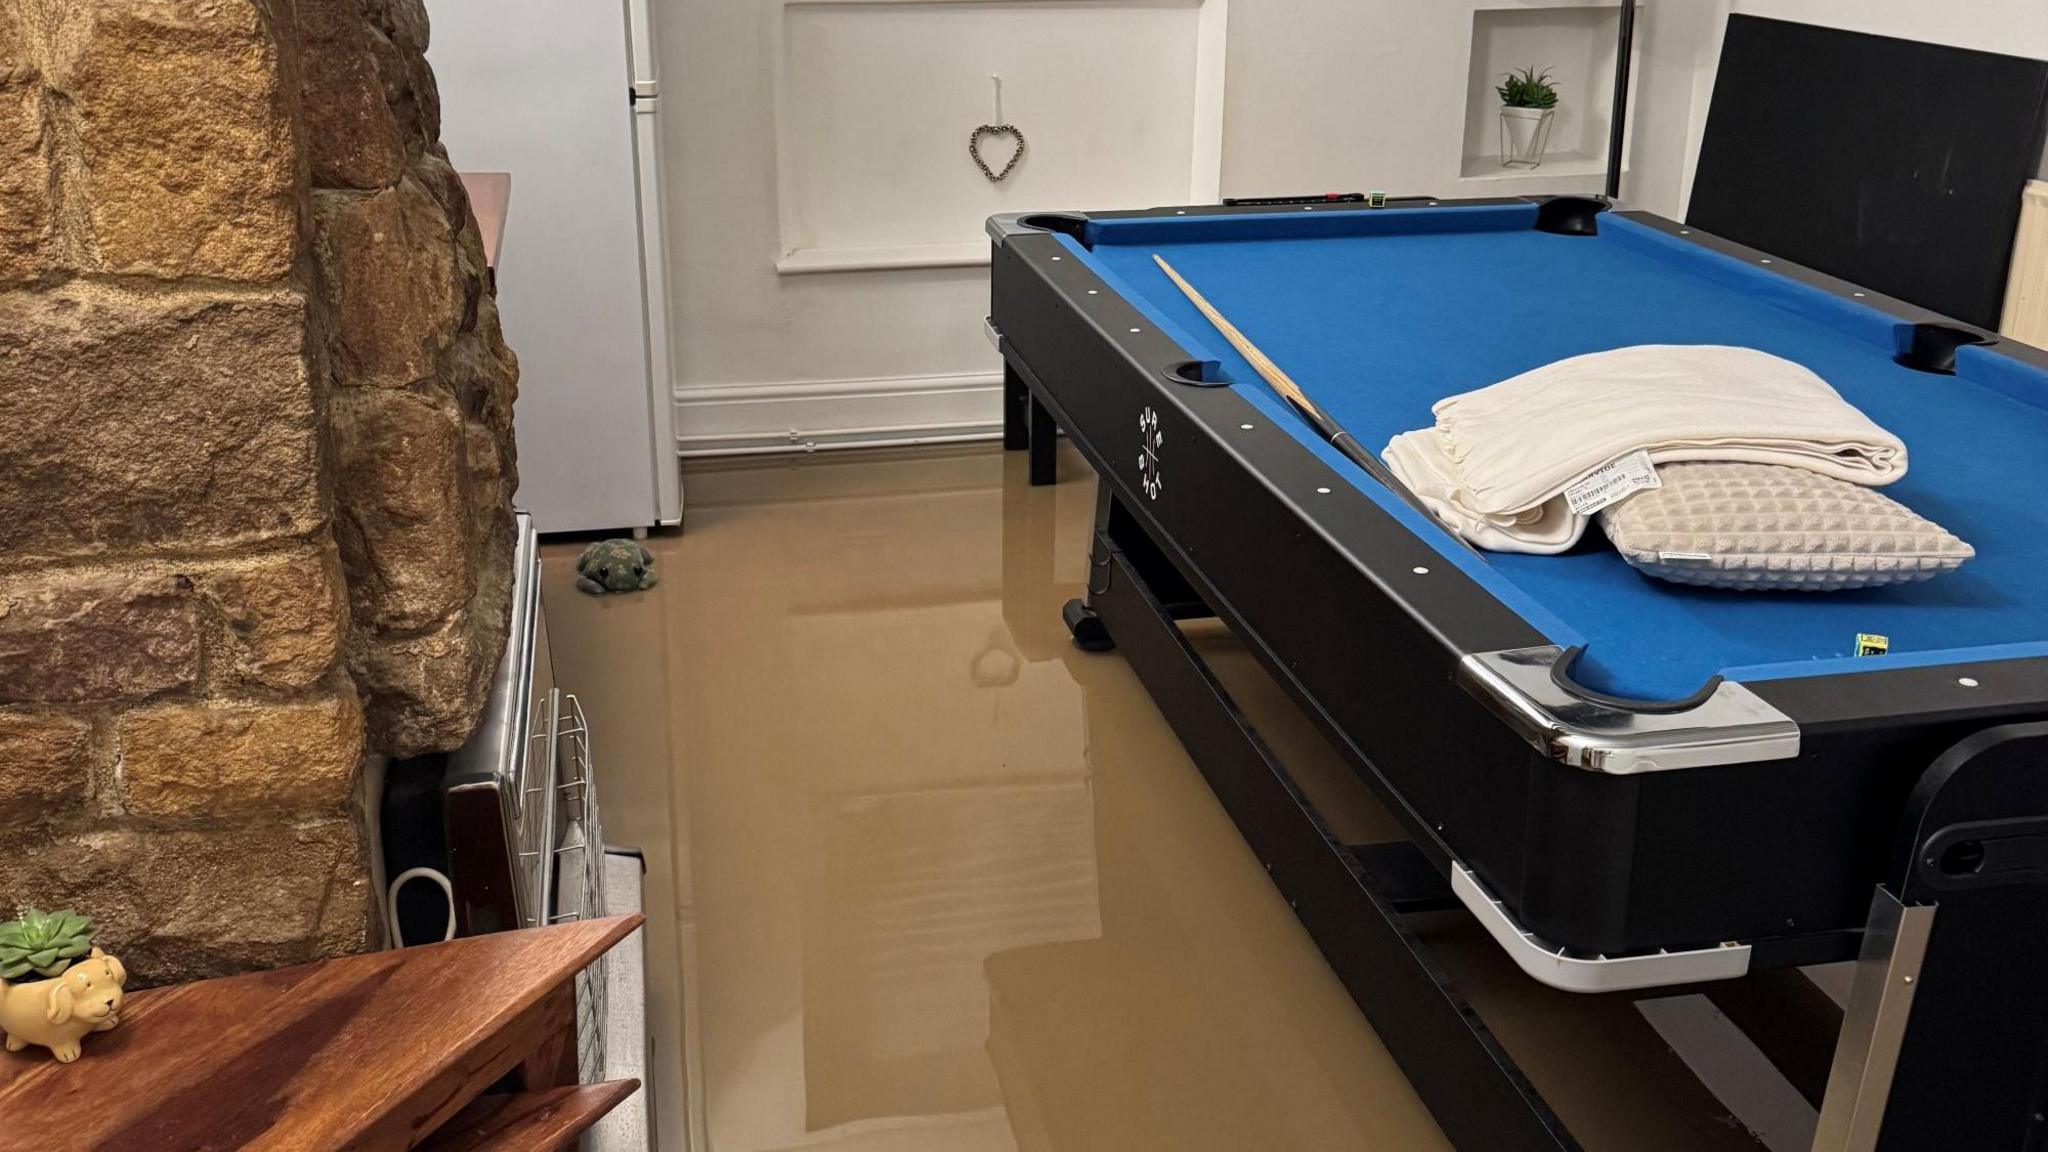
[[1496, 465]]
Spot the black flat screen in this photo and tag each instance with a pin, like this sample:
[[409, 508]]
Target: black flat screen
[[1891, 163]]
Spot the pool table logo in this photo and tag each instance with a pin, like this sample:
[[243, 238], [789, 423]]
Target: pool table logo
[[1148, 452]]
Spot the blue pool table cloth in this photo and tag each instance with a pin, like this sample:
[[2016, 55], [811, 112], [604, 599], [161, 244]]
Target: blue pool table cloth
[[1380, 314]]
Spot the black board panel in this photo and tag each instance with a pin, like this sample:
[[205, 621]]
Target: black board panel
[[1891, 163]]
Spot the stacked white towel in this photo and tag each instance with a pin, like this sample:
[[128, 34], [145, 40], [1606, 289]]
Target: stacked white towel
[[1496, 465]]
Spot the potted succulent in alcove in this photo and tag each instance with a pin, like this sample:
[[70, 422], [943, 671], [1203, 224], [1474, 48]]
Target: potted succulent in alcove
[[1528, 103]]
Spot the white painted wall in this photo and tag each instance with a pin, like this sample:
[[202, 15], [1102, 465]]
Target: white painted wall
[[2014, 27], [1344, 94], [1316, 95], [748, 338], [877, 99]]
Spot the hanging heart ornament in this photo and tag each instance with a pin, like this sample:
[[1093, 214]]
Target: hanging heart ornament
[[995, 132]]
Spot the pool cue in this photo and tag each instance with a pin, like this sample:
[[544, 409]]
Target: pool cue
[[1284, 384]]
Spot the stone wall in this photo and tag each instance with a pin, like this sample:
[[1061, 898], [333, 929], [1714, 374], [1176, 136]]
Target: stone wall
[[255, 464], [421, 381]]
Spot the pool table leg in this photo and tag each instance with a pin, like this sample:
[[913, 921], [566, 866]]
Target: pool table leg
[[1083, 623], [1016, 410], [1029, 424], [1117, 535], [1945, 1040], [1045, 442]]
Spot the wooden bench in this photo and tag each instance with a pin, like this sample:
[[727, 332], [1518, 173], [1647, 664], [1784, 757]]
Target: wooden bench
[[468, 1045]]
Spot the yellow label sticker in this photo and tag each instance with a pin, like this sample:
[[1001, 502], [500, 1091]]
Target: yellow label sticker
[[1871, 644]]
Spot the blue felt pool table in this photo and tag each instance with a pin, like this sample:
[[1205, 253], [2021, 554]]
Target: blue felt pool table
[[1645, 782], [1393, 311]]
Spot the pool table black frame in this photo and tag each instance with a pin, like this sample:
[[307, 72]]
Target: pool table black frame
[[1561, 815]]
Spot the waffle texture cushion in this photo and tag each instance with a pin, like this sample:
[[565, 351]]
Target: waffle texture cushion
[[1726, 524]]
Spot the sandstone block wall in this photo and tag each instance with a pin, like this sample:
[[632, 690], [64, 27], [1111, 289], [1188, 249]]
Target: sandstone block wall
[[420, 381], [255, 464]]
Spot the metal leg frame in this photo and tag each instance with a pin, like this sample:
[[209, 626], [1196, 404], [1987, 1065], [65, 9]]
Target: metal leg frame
[[1478, 1095], [1945, 1042]]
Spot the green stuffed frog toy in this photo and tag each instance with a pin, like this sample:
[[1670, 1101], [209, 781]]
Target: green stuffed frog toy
[[617, 565]]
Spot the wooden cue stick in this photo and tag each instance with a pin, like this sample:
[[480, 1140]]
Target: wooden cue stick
[[1284, 384]]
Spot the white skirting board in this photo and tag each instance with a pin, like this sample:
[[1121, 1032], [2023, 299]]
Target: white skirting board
[[2026, 289], [805, 416]]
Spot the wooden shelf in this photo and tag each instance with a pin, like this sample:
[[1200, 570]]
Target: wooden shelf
[[528, 1121], [369, 1053]]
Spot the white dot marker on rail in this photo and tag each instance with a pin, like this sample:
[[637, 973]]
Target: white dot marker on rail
[[1419, 570], [1324, 491], [1137, 330], [1246, 427], [1967, 681]]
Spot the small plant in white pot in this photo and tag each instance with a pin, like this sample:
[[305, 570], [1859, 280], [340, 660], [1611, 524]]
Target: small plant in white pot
[[1528, 103]]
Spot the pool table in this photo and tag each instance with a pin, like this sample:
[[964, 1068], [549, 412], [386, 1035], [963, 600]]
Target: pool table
[[1631, 782]]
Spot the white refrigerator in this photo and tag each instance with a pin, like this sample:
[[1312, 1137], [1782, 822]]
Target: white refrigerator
[[562, 94]]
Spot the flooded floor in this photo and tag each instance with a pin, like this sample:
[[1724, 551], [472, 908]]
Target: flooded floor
[[923, 876]]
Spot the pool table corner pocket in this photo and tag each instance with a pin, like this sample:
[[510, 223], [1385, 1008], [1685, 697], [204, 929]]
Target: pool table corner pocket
[[1931, 348], [1725, 723], [1570, 215]]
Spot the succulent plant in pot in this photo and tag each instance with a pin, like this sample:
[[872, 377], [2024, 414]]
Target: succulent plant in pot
[[81, 989], [1528, 103], [44, 943]]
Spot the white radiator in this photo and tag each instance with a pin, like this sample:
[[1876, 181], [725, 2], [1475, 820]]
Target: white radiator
[[2026, 290]]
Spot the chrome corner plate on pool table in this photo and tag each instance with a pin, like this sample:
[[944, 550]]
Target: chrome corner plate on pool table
[[1628, 782], [1729, 724]]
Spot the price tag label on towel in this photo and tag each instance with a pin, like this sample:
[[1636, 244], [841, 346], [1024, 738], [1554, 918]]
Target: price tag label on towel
[[1608, 483]]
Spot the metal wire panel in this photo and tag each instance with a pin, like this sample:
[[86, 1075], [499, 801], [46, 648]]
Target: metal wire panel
[[576, 868]]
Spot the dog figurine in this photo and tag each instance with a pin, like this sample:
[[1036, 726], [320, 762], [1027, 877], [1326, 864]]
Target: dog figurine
[[58, 1012]]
